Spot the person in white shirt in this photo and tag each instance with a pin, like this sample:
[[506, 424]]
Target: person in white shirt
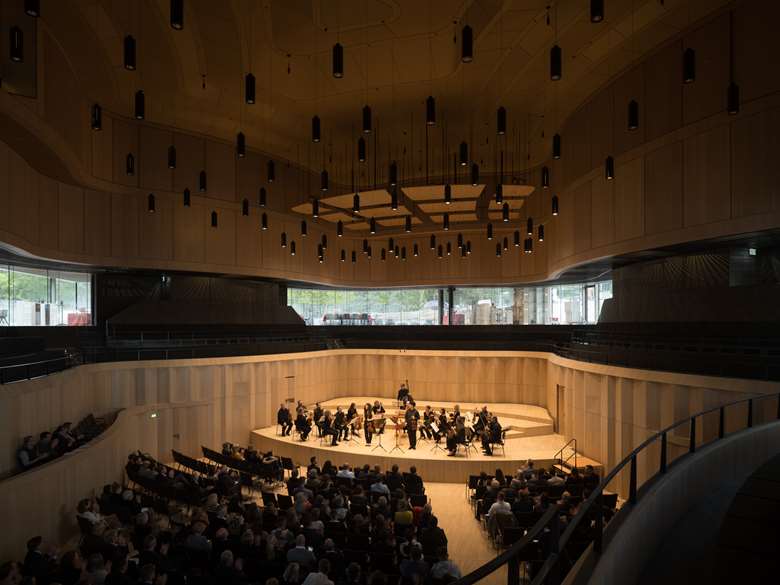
[[445, 567], [555, 479], [345, 471], [380, 487], [500, 506], [321, 576]]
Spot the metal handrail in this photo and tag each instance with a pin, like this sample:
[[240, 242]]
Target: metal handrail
[[559, 454], [68, 360], [550, 567]]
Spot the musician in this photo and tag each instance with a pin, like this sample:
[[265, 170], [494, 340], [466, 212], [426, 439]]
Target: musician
[[379, 409], [368, 423], [284, 419], [456, 434], [317, 416], [481, 419], [403, 393], [340, 424], [329, 428], [491, 435], [303, 424], [429, 417], [411, 416], [455, 414], [352, 416]]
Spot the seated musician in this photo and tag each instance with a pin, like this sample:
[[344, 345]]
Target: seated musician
[[302, 424], [379, 412], [455, 414], [368, 423], [329, 428], [284, 419], [428, 417], [340, 424], [317, 416], [491, 435], [481, 420], [352, 415], [403, 393], [456, 435]]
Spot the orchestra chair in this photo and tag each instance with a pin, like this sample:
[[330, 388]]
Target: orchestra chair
[[499, 444], [471, 488], [500, 522]]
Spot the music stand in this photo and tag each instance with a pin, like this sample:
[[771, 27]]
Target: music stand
[[397, 446], [379, 444]]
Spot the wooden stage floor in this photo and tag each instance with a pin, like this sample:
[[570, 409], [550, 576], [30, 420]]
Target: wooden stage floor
[[530, 435]]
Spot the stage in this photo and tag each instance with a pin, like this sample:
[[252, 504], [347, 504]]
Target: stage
[[529, 435]]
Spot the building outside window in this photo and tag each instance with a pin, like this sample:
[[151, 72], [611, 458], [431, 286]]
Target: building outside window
[[366, 307]]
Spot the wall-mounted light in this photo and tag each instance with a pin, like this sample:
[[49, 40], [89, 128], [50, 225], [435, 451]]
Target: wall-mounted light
[[343, 256], [516, 240], [304, 229], [446, 222], [416, 250], [356, 203], [447, 194], [545, 178], [540, 232], [324, 241], [505, 212], [408, 224], [16, 47], [394, 198], [432, 243], [315, 208], [499, 193], [529, 226], [463, 154], [372, 226], [440, 252], [292, 248], [393, 174], [283, 239]]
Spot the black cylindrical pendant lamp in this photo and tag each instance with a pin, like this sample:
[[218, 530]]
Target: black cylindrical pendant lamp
[[394, 198], [338, 61], [474, 174], [249, 88], [315, 208], [463, 253], [372, 226], [609, 168], [177, 14], [383, 255], [446, 222], [449, 249], [264, 221], [354, 257], [545, 178], [262, 198], [240, 145], [140, 105], [403, 253], [130, 165], [187, 198], [505, 245], [343, 257], [467, 44], [596, 10], [556, 63], [245, 207], [16, 47], [129, 53], [468, 247], [556, 146], [150, 203], [408, 224], [284, 239], [361, 149], [459, 240], [540, 232], [633, 115], [32, 8], [489, 231], [501, 121], [447, 194], [315, 129], [732, 99], [171, 157], [505, 212], [365, 246], [393, 174], [367, 127], [356, 203], [324, 240], [202, 182], [516, 238], [555, 205], [689, 65], [499, 193], [391, 244], [271, 171], [320, 252], [214, 220], [324, 182], [304, 228], [432, 243], [340, 229], [430, 111], [292, 248], [498, 250], [463, 154], [416, 250], [369, 253], [529, 226], [96, 117]]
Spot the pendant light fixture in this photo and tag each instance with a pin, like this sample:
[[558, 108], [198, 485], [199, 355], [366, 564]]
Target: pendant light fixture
[[408, 224], [556, 146], [498, 250], [315, 208], [467, 44], [474, 174], [463, 154], [689, 65], [150, 203], [468, 247], [506, 244], [264, 221], [16, 48], [249, 88], [361, 149], [356, 203], [440, 252], [432, 243], [449, 249], [499, 193], [372, 226], [390, 245], [129, 53], [32, 8], [501, 121], [340, 229], [324, 180], [633, 115], [177, 14], [130, 165], [459, 240], [202, 182], [271, 171], [393, 174], [240, 145], [516, 240], [505, 212], [171, 157], [140, 105], [262, 199], [446, 222], [463, 253], [394, 198], [555, 205], [609, 168], [732, 105], [245, 207], [596, 10], [343, 256], [447, 194], [187, 197], [367, 120], [416, 251], [283, 238], [214, 219], [96, 117], [545, 178], [540, 232], [383, 255], [556, 63], [354, 257], [292, 248], [369, 252], [530, 246], [324, 241], [365, 245], [320, 252], [338, 61], [489, 231], [430, 111], [403, 253], [529, 226], [304, 228], [315, 129]]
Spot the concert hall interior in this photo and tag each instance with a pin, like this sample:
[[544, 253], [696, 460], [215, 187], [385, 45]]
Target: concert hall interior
[[389, 292]]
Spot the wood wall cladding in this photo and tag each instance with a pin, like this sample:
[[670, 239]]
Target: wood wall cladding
[[609, 410], [688, 172]]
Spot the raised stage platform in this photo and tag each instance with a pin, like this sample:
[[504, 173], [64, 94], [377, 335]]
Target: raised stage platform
[[529, 435]]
